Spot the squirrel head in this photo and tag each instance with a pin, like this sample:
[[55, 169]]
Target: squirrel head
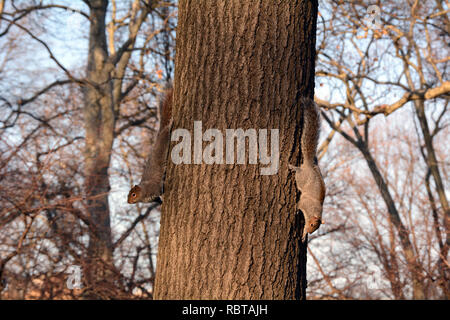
[[313, 224], [134, 195]]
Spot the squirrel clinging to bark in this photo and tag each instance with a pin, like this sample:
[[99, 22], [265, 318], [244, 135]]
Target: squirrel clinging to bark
[[308, 177], [152, 182]]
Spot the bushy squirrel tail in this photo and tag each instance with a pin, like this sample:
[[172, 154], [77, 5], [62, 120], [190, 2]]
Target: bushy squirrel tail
[[311, 129], [165, 107]]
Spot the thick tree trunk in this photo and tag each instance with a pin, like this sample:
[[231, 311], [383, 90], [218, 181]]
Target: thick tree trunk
[[228, 232], [99, 122]]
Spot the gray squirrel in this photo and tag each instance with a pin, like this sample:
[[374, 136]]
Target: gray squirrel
[[308, 177], [152, 182]]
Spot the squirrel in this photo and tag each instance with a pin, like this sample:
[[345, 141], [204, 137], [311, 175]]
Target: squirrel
[[308, 177], [152, 182]]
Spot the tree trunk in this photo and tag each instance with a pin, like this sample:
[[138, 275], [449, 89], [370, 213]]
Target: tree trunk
[[99, 123], [227, 231]]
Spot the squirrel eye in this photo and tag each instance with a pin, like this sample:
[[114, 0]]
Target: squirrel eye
[[133, 195]]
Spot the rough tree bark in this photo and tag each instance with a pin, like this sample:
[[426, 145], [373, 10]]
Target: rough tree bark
[[228, 232]]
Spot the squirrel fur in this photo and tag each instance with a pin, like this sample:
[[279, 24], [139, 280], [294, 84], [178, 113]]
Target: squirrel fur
[[308, 177], [152, 182]]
